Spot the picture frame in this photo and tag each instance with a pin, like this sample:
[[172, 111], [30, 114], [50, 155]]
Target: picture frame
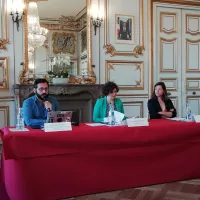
[[124, 29], [63, 42]]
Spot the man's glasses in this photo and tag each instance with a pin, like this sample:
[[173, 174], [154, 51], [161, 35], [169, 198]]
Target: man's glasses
[[41, 89]]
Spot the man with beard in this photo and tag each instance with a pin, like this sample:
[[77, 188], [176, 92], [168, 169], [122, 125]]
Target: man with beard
[[35, 108]]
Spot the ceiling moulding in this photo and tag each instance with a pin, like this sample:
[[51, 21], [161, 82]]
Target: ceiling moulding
[[65, 23]]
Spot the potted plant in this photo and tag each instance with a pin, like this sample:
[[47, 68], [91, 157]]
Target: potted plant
[[60, 77], [59, 69]]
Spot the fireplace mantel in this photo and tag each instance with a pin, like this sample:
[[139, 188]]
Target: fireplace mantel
[[79, 98]]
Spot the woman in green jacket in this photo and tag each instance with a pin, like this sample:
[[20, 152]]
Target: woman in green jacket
[[101, 108]]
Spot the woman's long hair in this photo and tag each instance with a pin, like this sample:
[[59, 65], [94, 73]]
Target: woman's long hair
[[162, 84]]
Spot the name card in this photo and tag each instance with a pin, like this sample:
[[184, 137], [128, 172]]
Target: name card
[[134, 122], [59, 126]]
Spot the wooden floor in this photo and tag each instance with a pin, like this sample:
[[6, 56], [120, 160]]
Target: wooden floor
[[184, 190]]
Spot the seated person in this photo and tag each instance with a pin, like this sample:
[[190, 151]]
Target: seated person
[[101, 108], [35, 108], [160, 106]]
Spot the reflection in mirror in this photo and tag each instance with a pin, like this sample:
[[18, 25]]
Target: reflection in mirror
[[68, 38]]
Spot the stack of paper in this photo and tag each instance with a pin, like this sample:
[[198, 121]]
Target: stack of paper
[[133, 122], [118, 116]]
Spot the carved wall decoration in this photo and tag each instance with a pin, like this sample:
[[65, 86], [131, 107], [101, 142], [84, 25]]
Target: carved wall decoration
[[63, 42], [168, 58], [65, 23], [136, 50], [172, 24], [110, 49], [134, 78], [192, 24], [25, 77], [193, 83], [192, 48], [171, 83], [3, 25], [4, 78]]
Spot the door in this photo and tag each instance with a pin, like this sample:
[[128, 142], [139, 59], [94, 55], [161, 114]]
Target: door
[[191, 60], [167, 49]]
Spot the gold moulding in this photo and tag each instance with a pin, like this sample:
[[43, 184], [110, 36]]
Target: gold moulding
[[137, 51], [3, 44], [25, 78]]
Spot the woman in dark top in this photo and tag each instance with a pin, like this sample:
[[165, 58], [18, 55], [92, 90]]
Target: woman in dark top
[[160, 106]]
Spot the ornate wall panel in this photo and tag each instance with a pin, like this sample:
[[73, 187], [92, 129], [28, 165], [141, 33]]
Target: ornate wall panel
[[171, 83], [3, 25], [4, 78], [133, 79], [4, 116], [192, 83], [168, 58], [114, 13], [134, 108], [175, 102], [192, 24], [168, 22], [194, 102], [192, 55]]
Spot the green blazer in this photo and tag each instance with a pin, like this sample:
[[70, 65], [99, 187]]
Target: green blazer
[[101, 106]]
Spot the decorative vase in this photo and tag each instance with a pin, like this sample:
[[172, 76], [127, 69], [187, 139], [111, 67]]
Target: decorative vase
[[61, 81]]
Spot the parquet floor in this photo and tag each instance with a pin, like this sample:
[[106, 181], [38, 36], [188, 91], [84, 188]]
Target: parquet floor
[[183, 190]]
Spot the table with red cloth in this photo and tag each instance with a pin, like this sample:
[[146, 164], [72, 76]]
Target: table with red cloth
[[47, 166]]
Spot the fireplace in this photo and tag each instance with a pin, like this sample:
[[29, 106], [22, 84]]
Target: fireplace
[[78, 98]]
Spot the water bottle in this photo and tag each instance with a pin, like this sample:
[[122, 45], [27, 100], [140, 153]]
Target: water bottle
[[188, 112], [20, 120], [112, 115]]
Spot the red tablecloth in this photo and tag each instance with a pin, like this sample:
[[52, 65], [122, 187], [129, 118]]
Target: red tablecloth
[[49, 166]]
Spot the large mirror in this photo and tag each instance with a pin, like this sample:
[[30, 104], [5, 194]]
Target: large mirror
[[68, 39]]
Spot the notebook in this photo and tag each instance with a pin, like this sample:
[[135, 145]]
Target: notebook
[[59, 116]]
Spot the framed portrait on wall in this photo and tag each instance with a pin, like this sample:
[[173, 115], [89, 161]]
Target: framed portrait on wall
[[63, 42], [124, 29]]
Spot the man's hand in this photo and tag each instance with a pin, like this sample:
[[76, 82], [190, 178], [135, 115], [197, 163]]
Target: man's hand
[[48, 105]]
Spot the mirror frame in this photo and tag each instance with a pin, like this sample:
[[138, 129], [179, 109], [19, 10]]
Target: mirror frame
[[24, 75]]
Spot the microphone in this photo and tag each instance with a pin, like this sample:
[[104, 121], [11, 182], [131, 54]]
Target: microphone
[[45, 99]]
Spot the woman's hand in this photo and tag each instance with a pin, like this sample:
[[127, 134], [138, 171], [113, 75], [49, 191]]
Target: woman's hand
[[166, 114]]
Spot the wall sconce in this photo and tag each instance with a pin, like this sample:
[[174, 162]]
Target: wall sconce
[[17, 12], [96, 23], [96, 17]]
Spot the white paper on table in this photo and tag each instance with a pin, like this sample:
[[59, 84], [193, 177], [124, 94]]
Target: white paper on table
[[95, 124], [17, 130], [133, 122], [181, 119], [197, 118]]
